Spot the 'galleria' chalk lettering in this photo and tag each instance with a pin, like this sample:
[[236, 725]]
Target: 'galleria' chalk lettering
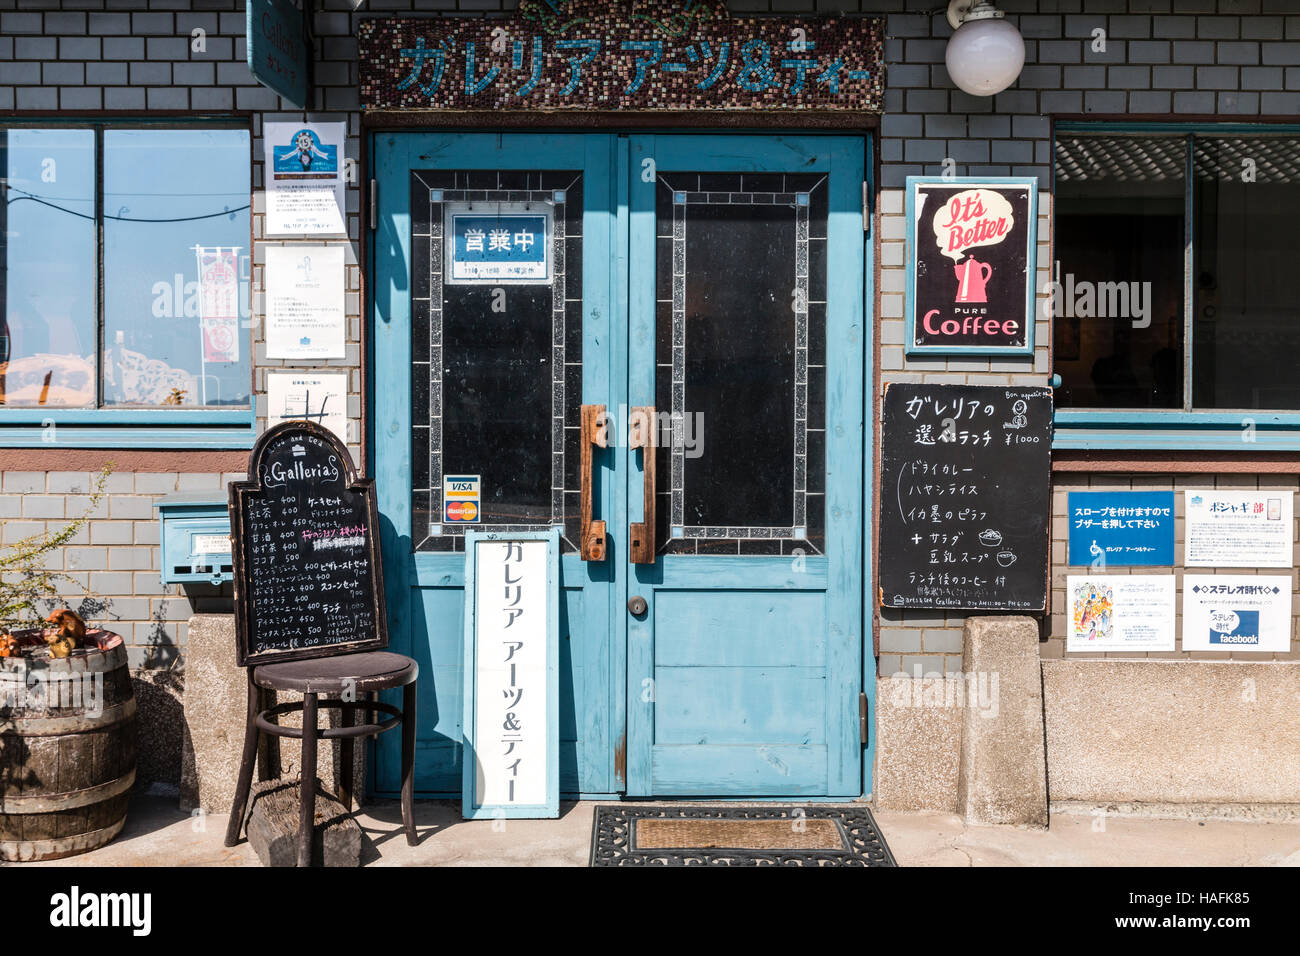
[[278, 475]]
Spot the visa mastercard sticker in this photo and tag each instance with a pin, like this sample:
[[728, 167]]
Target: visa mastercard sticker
[[460, 498]]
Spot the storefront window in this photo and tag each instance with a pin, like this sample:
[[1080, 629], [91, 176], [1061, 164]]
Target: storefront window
[[130, 288], [1142, 224], [48, 291], [1246, 321]]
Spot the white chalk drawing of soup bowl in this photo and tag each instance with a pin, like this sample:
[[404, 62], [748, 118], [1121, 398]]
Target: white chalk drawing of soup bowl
[[1006, 558]]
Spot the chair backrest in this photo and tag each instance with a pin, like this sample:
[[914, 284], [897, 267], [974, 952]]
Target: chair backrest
[[304, 530]]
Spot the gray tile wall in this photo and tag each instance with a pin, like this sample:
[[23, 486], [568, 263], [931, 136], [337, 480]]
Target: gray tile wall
[[1163, 58]]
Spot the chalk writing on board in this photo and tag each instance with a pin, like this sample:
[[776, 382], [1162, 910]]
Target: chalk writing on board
[[307, 579], [966, 473]]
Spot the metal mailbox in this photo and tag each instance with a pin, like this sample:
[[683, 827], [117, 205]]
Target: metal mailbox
[[195, 539]]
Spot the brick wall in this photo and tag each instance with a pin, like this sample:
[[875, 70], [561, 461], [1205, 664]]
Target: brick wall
[[1163, 58], [1054, 647], [113, 559]]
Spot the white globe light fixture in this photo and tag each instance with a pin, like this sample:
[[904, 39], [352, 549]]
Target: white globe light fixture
[[986, 53]]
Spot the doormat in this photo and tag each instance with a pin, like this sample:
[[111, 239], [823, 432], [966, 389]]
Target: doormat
[[825, 835]]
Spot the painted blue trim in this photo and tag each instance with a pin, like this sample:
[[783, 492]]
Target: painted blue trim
[[1031, 266], [641, 317], [1083, 417], [617, 495], [868, 480], [390, 348], [129, 416], [470, 808], [1246, 430], [127, 428]]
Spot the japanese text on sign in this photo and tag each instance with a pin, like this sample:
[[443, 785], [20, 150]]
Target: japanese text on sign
[[511, 729], [656, 54], [956, 532], [1121, 528]]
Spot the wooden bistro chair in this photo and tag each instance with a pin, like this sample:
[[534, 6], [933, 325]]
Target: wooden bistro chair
[[353, 674], [300, 473]]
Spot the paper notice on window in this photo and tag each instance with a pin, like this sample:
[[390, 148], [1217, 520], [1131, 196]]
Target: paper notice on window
[[305, 315], [303, 173], [1120, 612], [219, 302], [320, 397], [1239, 528]]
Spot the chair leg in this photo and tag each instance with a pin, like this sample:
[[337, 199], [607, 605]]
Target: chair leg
[[246, 765], [307, 806], [348, 747], [408, 762]]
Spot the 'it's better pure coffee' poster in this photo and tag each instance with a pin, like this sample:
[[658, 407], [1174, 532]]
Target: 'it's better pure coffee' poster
[[971, 262]]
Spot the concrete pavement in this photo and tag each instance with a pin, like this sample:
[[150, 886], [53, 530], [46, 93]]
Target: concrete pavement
[[158, 834]]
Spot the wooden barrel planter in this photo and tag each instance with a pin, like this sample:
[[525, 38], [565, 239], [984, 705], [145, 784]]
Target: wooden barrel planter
[[67, 748]]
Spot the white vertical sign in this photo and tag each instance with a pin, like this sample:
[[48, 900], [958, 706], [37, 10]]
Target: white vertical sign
[[511, 730]]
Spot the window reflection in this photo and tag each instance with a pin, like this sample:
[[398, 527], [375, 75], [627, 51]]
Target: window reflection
[[175, 235], [174, 209], [47, 267], [1118, 298], [1246, 327]]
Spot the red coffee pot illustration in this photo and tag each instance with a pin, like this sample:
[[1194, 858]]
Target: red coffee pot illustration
[[972, 277]]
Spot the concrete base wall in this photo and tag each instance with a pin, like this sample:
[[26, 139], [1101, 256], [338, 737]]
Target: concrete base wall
[[1150, 733], [1173, 731], [918, 743], [216, 701]]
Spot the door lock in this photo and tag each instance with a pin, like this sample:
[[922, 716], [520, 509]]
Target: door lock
[[637, 605]]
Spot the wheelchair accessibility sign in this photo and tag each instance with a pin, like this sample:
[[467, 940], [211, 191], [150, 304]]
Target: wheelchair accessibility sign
[[460, 499], [503, 243]]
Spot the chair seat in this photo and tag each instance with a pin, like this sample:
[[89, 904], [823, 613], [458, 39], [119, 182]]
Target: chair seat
[[372, 670]]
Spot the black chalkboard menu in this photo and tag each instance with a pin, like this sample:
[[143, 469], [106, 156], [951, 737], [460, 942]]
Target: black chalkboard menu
[[965, 497], [307, 568]]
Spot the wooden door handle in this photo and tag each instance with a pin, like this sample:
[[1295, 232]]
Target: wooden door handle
[[594, 435], [642, 428]]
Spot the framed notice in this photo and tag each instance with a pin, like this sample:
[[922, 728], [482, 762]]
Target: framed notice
[[501, 243], [305, 317], [1235, 612], [1239, 528], [512, 714], [304, 179], [1120, 613], [971, 265]]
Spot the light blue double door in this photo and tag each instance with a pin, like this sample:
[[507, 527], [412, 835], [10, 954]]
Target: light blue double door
[[702, 295]]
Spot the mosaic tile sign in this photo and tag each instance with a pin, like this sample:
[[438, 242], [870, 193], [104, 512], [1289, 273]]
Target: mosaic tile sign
[[631, 55]]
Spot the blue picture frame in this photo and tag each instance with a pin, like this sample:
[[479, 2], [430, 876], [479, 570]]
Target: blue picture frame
[[471, 808], [910, 346]]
